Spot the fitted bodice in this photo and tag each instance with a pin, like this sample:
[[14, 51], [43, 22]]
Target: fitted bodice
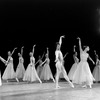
[[21, 60], [84, 56]]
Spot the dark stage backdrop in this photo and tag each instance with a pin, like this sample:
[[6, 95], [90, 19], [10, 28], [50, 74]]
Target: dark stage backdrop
[[29, 22]]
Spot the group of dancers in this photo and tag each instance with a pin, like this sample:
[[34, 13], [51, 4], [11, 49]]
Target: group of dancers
[[79, 73]]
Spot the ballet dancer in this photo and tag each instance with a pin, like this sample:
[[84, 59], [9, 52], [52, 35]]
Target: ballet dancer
[[96, 70], [39, 67], [60, 64], [46, 73], [9, 72], [20, 68], [74, 66], [83, 73], [30, 73]]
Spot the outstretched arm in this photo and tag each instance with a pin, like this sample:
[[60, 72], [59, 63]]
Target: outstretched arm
[[13, 51], [43, 62], [91, 60], [33, 49], [60, 40], [22, 50]]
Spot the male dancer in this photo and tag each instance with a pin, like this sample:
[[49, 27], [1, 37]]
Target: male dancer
[[60, 64]]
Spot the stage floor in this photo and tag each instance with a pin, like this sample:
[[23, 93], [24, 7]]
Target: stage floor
[[47, 91]]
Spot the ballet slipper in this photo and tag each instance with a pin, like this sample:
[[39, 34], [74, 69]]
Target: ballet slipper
[[57, 86], [90, 86], [53, 80], [71, 85], [17, 80], [41, 82]]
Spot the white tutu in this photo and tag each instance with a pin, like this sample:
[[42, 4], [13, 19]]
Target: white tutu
[[72, 71], [39, 70], [9, 72], [83, 74], [96, 73], [20, 70], [30, 74], [46, 73]]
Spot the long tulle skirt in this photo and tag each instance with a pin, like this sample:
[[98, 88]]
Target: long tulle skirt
[[72, 71], [30, 74], [46, 73], [83, 74], [9, 72], [39, 70], [20, 71], [96, 73]]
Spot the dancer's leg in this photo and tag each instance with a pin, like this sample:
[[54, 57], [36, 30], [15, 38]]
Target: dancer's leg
[[17, 79], [66, 77], [37, 76], [57, 77]]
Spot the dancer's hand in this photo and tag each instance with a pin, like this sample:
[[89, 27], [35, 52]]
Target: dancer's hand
[[78, 38], [34, 45], [63, 36], [74, 46]]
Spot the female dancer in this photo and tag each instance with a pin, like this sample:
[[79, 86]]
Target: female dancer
[[74, 66], [20, 68], [83, 73], [96, 71], [30, 73], [60, 64], [46, 73], [9, 72], [39, 67]]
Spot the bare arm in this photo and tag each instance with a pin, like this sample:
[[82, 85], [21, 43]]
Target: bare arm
[[91, 60], [43, 62], [13, 51], [80, 46], [60, 40], [22, 50], [33, 49]]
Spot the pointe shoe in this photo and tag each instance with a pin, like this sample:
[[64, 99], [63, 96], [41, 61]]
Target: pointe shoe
[[41, 82], [71, 85], [17, 80], [53, 80], [90, 86], [57, 86]]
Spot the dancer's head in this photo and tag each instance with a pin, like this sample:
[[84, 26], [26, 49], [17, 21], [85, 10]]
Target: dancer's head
[[9, 53], [86, 48], [47, 55], [31, 54], [19, 55], [58, 46]]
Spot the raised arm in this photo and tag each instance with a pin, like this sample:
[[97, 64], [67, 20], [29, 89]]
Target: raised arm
[[33, 49], [13, 51], [22, 50], [60, 40], [48, 51], [80, 46]]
